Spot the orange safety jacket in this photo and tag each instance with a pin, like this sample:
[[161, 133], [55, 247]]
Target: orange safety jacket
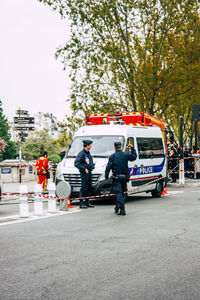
[[42, 165]]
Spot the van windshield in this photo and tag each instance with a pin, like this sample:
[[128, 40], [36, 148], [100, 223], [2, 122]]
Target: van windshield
[[102, 146]]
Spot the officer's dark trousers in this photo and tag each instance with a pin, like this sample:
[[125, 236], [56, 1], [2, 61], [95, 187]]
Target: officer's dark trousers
[[119, 187], [86, 184]]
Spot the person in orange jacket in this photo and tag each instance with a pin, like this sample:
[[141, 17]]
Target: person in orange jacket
[[42, 170]]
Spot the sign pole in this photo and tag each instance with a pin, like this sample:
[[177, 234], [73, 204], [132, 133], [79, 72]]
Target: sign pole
[[181, 132], [196, 134], [20, 159]]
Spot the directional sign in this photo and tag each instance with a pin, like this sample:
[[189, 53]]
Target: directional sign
[[24, 128], [22, 112], [24, 120]]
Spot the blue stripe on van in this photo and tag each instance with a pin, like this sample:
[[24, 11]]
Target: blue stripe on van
[[147, 169]]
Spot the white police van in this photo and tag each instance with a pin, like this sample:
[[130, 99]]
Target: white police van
[[150, 165]]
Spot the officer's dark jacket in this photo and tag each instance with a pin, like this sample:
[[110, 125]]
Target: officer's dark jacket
[[118, 162], [81, 161]]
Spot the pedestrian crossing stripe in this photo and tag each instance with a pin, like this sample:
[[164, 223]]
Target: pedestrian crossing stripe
[[14, 219]]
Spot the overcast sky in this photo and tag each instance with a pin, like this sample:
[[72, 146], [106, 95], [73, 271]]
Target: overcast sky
[[30, 76]]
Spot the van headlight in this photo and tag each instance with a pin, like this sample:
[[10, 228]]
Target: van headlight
[[59, 174]]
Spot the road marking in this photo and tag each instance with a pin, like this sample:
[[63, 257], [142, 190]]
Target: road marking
[[14, 219], [174, 192]]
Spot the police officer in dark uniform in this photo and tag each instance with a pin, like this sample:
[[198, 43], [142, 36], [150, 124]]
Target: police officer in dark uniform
[[118, 163], [84, 162], [173, 162]]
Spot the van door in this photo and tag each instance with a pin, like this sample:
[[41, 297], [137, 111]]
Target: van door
[[133, 167], [151, 157]]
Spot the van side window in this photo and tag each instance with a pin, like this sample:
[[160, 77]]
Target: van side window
[[157, 147], [130, 140], [150, 148]]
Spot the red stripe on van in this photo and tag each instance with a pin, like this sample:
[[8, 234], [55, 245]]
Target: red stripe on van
[[143, 178]]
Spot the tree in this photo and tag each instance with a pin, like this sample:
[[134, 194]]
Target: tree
[[31, 148], [54, 158], [10, 150], [65, 138], [140, 55]]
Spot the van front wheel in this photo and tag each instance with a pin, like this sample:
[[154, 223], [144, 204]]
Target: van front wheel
[[158, 190]]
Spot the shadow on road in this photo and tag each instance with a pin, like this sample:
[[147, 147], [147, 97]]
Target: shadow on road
[[111, 202]]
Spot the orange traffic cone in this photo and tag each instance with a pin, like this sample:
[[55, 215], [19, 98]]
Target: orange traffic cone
[[163, 193], [69, 203]]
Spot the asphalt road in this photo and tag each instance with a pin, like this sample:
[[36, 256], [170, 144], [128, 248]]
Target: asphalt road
[[151, 253]]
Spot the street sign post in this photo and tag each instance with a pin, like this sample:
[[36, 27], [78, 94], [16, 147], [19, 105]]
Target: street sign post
[[23, 124]]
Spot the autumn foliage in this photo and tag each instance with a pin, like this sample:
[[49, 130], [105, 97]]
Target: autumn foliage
[[138, 55]]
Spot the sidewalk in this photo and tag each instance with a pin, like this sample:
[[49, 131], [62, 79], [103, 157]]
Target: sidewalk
[[188, 183], [14, 188]]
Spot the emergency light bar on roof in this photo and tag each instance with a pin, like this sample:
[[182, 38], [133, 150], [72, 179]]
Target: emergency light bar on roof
[[131, 119]]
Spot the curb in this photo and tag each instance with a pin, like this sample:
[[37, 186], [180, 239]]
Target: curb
[[186, 185]]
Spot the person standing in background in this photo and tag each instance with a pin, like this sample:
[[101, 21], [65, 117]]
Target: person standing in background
[[42, 170]]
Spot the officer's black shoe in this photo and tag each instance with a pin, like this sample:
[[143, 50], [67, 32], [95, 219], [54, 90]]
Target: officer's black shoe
[[88, 204], [122, 212], [83, 205], [116, 209]]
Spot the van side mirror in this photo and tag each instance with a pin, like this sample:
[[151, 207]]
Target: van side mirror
[[62, 154]]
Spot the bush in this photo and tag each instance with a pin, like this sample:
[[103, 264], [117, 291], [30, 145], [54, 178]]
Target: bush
[[54, 158], [10, 151]]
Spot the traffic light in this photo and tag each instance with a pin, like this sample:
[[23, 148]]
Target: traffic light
[[171, 137], [196, 112]]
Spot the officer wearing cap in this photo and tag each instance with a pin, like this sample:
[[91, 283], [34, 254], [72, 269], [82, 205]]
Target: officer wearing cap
[[118, 163], [84, 162]]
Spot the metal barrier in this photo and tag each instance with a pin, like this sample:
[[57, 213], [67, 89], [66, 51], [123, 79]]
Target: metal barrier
[[192, 173]]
